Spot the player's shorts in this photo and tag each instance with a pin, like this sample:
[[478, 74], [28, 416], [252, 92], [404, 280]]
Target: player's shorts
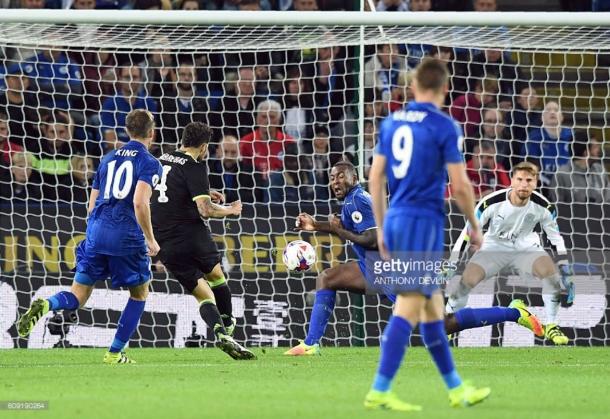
[[188, 260], [493, 258], [369, 277], [124, 271], [414, 237]]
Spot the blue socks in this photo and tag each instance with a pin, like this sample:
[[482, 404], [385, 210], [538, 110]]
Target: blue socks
[[435, 339], [322, 309], [64, 300], [127, 324], [469, 318], [394, 344]]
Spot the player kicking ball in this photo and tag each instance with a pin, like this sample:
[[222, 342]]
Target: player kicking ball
[[119, 239], [510, 241], [417, 147], [180, 202], [357, 225]]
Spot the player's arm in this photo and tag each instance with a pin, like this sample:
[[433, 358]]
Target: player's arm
[[208, 209], [141, 206], [366, 239], [464, 196], [551, 229], [92, 198]]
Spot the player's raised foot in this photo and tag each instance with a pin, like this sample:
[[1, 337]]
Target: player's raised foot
[[26, 323], [303, 349], [117, 358], [553, 333], [236, 351], [527, 319], [467, 395], [387, 400]]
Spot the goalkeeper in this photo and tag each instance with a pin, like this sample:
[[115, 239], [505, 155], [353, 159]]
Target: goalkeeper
[[357, 225], [510, 240]]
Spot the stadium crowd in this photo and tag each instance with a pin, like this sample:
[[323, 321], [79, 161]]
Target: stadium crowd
[[281, 119]]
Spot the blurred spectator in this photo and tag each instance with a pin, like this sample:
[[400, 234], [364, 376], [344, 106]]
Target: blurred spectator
[[550, 144], [265, 147], [484, 5], [370, 132], [55, 78], [293, 184], [493, 63], [415, 52], [236, 115], [523, 117], [584, 179], [181, 106], [494, 129], [467, 108], [401, 94], [322, 160], [21, 107], [393, 6], [227, 174], [77, 190], [7, 148], [160, 74], [298, 106], [98, 69], [420, 5], [299, 5], [374, 107], [17, 184], [82, 4], [485, 174], [383, 70], [130, 96], [189, 5]]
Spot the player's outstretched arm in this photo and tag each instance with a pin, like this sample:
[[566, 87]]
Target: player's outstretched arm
[[141, 206], [464, 196], [208, 209]]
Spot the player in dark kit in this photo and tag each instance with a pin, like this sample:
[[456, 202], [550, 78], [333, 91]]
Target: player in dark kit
[[180, 201]]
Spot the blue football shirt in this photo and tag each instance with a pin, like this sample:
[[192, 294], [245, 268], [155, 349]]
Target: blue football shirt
[[417, 143], [357, 215], [112, 228]]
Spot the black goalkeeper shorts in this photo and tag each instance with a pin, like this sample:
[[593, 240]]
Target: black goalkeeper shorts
[[189, 260]]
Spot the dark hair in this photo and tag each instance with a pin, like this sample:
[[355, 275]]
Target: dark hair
[[195, 134], [346, 165], [579, 148], [526, 166], [56, 117], [431, 74], [321, 129], [147, 4], [139, 123]]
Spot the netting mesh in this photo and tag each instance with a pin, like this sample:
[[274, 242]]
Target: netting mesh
[[537, 93]]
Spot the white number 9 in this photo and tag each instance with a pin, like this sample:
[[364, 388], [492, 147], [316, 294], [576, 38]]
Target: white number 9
[[402, 149]]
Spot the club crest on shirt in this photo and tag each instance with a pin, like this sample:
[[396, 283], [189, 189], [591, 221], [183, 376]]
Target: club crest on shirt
[[357, 217]]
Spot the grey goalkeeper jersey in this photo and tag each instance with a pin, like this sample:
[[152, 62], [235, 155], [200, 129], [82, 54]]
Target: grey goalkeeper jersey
[[511, 227]]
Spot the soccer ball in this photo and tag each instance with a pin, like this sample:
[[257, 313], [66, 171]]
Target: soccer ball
[[299, 256]]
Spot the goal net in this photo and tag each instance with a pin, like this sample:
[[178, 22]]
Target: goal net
[[286, 101]]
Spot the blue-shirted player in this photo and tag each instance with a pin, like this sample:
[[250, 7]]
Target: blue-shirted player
[[416, 149], [119, 239], [357, 225]]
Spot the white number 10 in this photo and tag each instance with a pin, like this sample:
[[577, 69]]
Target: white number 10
[[402, 149], [113, 180]]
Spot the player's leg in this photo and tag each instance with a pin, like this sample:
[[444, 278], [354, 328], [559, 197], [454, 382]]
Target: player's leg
[[89, 268], [544, 268], [394, 342], [470, 318], [211, 316], [458, 298], [222, 294], [435, 338], [345, 277]]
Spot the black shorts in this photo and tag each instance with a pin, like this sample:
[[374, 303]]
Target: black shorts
[[189, 259]]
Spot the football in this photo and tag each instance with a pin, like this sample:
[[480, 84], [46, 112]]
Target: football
[[299, 256]]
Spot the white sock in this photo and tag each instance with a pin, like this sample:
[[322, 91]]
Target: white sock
[[551, 295], [458, 298]]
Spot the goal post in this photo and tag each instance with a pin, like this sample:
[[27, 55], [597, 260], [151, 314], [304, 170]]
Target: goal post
[[318, 83]]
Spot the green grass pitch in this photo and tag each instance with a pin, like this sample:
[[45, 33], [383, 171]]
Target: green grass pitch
[[541, 382]]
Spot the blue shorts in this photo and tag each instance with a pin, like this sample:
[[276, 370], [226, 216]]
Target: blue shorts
[[369, 277], [125, 271], [417, 238]]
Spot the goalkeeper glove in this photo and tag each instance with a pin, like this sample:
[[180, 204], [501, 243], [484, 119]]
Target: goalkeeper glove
[[566, 271]]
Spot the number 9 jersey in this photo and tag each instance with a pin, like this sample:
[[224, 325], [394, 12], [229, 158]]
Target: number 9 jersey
[[112, 228], [417, 143]]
